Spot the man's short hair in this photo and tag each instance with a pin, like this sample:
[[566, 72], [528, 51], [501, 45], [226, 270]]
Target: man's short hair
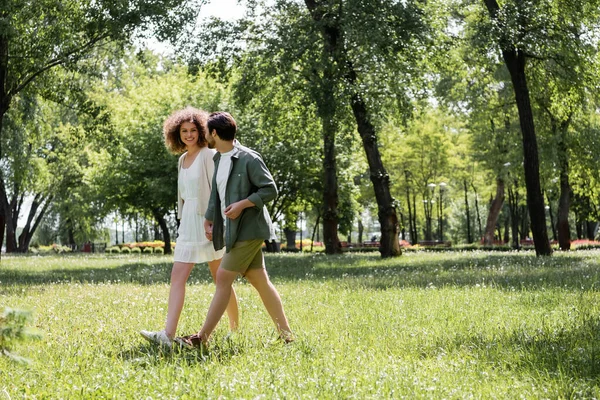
[[224, 124]]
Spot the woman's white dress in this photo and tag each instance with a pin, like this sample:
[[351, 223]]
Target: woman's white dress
[[192, 245]]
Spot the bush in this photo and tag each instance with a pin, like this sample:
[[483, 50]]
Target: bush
[[125, 250], [13, 330], [148, 250], [115, 250], [159, 250], [61, 249], [136, 250]]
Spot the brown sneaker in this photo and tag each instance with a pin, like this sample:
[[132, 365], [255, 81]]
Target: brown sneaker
[[191, 342]]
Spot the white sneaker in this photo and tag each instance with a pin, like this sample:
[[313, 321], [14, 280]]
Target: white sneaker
[[159, 338]]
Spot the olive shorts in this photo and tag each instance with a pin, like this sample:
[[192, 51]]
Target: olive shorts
[[243, 256]]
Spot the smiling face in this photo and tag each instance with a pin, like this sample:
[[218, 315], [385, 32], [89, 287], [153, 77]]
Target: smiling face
[[188, 133]]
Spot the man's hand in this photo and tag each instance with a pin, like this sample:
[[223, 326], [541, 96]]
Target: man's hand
[[234, 210], [208, 229]]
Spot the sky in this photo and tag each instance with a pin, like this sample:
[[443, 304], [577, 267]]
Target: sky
[[224, 9]]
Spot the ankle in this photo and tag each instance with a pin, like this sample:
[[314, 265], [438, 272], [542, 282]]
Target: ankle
[[169, 334]]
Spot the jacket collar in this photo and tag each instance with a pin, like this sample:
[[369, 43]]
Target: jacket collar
[[235, 151]]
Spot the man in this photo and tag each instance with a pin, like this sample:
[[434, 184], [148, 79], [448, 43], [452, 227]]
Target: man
[[237, 219]]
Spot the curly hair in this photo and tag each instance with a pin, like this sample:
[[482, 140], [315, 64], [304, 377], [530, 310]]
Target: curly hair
[[173, 124]]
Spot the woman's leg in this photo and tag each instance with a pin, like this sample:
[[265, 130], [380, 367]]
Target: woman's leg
[[179, 276], [232, 306]]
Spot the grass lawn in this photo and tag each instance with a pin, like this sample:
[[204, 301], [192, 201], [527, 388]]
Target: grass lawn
[[425, 325]]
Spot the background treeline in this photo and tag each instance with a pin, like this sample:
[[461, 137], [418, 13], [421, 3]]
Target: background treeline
[[462, 121]]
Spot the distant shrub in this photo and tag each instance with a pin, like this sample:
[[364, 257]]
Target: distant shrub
[[125, 250], [585, 244], [136, 250], [46, 249], [115, 250], [148, 250], [159, 250], [61, 249]]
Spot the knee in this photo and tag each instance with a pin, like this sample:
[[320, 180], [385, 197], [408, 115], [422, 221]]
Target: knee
[[179, 275], [224, 278]]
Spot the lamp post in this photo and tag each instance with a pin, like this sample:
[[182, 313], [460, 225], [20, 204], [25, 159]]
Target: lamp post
[[429, 208]]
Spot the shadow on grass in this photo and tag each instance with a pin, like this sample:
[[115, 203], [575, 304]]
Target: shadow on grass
[[149, 355], [567, 354], [580, 271]]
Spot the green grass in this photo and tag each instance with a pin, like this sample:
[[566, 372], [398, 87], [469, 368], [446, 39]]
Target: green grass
[[425, 325]]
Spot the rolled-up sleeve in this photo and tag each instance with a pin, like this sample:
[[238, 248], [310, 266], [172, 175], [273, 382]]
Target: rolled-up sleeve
[[261, 178]]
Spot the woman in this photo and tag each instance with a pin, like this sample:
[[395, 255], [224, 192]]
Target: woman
[[185, 131]]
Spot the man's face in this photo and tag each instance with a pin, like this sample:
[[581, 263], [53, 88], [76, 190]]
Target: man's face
[[210, 139]]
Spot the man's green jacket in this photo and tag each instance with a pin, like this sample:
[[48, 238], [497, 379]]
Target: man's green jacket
[[249, 178]]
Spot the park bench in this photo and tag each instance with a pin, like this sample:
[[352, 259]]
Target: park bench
[[446, 243]]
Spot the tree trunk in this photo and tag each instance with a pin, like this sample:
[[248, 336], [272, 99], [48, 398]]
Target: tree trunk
[[468, 212], [11, 240], [495, 207], [564, 201], [164, 228], [361, 229], [477, 211], [415, 238], [388, 219], [338, 57], [506, 230], [29, 230], [590, 229], [515, 62], [552, 225], [330, 191], [290, 238], [513, 206], [315, 230], [410, 212], [2, 228]]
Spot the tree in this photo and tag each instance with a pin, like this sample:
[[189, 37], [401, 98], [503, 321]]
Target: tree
[[37, 36], [138, 95]]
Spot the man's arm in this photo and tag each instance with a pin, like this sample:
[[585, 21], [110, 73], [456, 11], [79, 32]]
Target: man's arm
[[261, 178], [267, 190]]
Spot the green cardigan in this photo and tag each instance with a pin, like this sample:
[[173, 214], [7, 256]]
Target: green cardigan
[[249, 179]]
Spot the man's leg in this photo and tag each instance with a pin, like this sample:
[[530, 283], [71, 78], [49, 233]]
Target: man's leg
[[219, 302], [232, 306], [259, 278], [179, 276]]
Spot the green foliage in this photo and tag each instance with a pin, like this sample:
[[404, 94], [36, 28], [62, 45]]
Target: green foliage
[[148, 250], [13, 330], [159, 250], [114, 250], [136, 250]]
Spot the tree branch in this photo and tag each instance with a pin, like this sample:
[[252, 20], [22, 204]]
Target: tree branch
[[53, 63]]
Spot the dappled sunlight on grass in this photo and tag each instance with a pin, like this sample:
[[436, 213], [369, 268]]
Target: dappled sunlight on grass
[[424, 325]]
